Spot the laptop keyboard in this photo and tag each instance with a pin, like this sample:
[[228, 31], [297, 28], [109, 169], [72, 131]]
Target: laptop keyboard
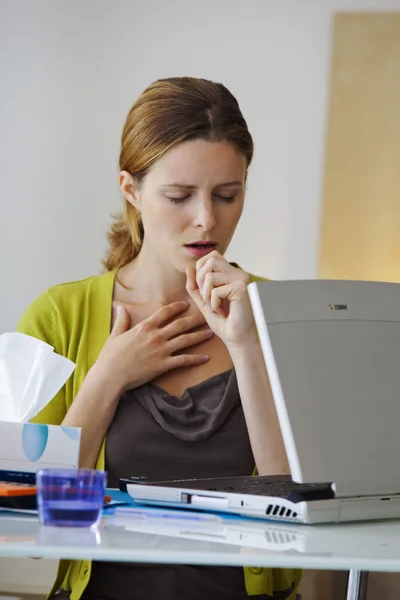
[[295, 492]]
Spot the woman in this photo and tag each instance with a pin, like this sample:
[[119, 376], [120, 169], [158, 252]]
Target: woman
[[169, 372]]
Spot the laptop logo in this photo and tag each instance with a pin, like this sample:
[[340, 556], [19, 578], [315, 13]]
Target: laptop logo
[[338, 306]]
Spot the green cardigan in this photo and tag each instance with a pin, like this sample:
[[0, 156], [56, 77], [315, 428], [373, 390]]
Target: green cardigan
[[75, 319]]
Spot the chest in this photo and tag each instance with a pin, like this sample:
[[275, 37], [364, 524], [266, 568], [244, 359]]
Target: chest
[[176, 381]]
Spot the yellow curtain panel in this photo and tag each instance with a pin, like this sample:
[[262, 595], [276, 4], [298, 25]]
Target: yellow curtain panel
[[360, 232]]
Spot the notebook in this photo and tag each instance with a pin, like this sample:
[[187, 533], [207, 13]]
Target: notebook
[[332, 352]]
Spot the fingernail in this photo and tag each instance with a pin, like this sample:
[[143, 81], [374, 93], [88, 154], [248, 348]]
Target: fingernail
[[120, 310], [205, 357], [210, 333]]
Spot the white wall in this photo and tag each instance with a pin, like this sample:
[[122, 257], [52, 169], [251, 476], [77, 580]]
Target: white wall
[[70, 70]]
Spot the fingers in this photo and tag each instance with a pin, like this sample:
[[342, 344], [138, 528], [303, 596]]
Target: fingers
[[214, 261], [122, 321], [218, 295], [165, 313], [183, 324], [192, 288], [191, 284], [218, 283], [231, 292], [211, 281], [189, 339], [187, 360]]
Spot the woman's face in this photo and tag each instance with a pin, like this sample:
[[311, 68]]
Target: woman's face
[[191, 201]]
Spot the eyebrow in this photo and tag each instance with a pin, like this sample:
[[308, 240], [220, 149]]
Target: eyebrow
[[184, 186]]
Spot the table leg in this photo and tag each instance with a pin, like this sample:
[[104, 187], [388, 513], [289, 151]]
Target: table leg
[[357, 584]]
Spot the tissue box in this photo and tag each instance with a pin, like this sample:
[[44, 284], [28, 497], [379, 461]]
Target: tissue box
[[31, 446]]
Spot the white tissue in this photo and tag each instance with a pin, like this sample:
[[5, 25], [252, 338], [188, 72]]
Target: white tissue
[[31, 374]]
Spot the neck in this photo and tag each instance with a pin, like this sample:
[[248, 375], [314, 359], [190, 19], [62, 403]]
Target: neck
[[154, 280]]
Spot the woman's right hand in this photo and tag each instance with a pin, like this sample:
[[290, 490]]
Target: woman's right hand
[[133, 357]]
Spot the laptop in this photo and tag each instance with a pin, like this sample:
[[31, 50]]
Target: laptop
[[332, 351]]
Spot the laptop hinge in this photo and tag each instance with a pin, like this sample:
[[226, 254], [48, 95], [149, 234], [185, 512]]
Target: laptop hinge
[[346, 491]]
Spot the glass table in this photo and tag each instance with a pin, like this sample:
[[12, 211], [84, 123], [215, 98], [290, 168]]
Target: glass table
[[357, 548]]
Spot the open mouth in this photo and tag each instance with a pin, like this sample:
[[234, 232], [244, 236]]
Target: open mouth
[[201, 246], [201, 249]]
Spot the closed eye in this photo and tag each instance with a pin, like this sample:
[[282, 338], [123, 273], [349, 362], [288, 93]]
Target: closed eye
[[178, 200], [181, 199], [225, 198]]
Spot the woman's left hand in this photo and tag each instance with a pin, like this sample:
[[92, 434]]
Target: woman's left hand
[[220, 292]]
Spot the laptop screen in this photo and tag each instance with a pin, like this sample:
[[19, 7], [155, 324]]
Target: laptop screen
[[332, 350]]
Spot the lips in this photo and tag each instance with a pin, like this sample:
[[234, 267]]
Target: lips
[[199, 249], [202, 245]]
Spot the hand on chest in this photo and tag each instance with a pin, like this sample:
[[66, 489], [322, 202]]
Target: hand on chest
[[175, 381]]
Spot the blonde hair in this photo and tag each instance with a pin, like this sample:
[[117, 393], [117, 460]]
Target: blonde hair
[[168, 112]]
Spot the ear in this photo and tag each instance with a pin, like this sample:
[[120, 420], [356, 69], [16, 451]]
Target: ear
[[130, 188]]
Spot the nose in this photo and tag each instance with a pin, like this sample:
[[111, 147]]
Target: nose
[[205, 214]]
